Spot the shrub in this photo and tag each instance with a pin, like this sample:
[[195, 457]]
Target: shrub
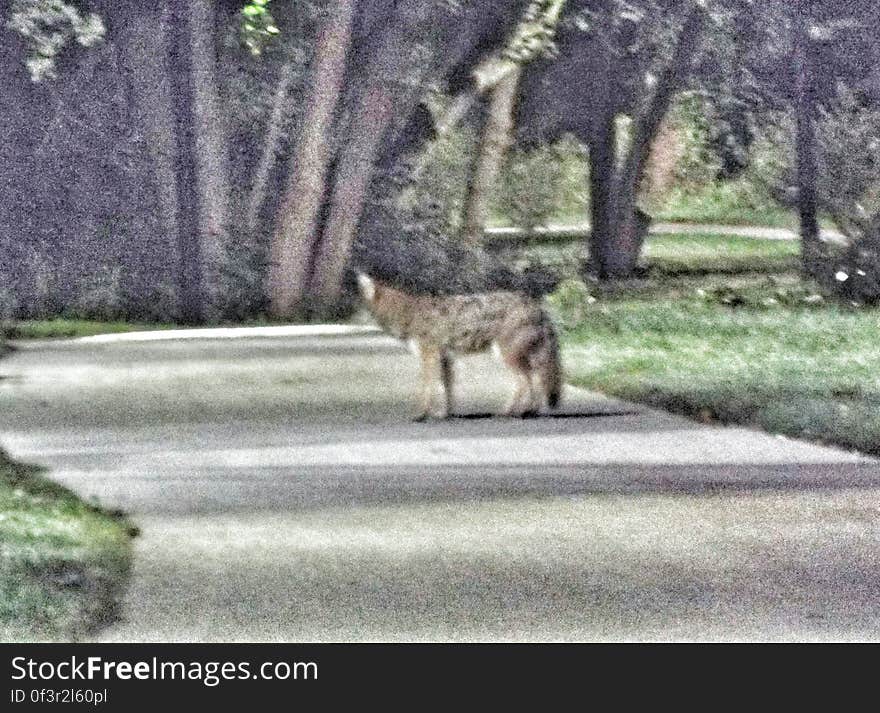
[[569, 302], [528, 193], [102, 298], [857, 273]]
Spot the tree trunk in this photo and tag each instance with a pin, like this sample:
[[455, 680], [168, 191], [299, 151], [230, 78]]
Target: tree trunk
[[494, 143], [603, 173], [211, 150], [384, 93], [807, 164], [271, 147], [169, 57], [381, 90], [143, 43], [190, 276], [296, 239], [619, 227], [354, 170]]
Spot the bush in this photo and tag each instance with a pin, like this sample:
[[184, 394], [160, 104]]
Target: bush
[[44, 297], [439, 194], [531, 188], [8, 306], [101, 297], [857, 274]]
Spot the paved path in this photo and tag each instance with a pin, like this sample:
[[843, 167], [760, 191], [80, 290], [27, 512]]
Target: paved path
[[737, 231], [283, 495]]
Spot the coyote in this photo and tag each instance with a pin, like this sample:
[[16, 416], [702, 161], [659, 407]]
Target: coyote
[[513, 325]]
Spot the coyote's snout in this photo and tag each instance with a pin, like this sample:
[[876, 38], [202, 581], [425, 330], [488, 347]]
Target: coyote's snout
[[513, 325]]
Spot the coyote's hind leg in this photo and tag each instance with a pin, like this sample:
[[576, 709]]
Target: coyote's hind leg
[[524, 401], [433, 383]]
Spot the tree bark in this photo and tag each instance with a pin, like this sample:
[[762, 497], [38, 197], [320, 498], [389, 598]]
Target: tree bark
[[190, 275], [143, 41], [295, 240], [271, 147], [619, 227], [494, 143], [384, 92], [380, 91], [603, 170], [807, 164], [211, 150], [170, 59], [351, 181]]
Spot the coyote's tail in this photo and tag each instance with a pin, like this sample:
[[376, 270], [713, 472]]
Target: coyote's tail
[[550, 366]]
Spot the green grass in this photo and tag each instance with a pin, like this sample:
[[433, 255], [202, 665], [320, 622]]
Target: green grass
[[685, 256], [62, 561], [67, 328], [717, 254], [738, 202], [760, 350]]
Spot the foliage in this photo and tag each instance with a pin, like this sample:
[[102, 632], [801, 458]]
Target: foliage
[[102, 296], [849, 140], [857, 272], [257, 26], [733, 122], [743, 201], [706, 189], [48, 27], [530, 186], [692, 121], [535, 32], [570, 301], [440, 190]]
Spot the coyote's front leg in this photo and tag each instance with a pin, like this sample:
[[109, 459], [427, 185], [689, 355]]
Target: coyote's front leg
[[436, 376]]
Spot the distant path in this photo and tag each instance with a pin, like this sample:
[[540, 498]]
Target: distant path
[[740, 231], [284, 495], [574, 230]]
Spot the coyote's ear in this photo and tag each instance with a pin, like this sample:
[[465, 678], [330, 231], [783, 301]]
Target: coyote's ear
[[368, 287]]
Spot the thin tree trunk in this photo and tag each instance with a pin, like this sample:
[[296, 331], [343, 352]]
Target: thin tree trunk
[[171, 60], [190, 277], [354, 170], [152, 63], [211, 148], [140, 40], [494, 143], [651, 118], [382, 92], [807, 163], [458, 109], [271, 147], [602, 161], [295, 239]]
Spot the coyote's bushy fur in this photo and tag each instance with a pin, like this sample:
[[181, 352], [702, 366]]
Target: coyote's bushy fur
[[514, 325]]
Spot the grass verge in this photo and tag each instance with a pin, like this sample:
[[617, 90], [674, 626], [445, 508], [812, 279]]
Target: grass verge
[[59, 328], [738, 202], [63, 562], [759, 350], [708, 254]]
